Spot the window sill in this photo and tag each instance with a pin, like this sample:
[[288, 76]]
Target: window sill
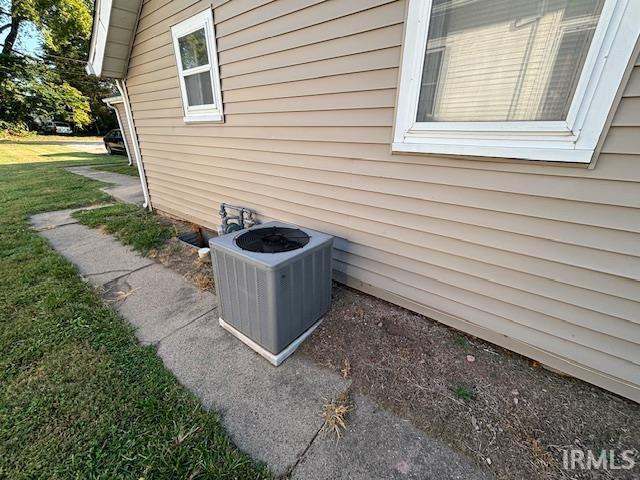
[[208, 118], [518, 152]]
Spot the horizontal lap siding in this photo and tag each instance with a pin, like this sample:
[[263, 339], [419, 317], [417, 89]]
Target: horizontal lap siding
[[124, 128], [541, 259]]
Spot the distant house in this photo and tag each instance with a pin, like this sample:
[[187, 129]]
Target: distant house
[[479, 161]]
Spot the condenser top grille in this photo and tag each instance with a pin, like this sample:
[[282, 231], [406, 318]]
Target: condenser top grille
[[272, 240]]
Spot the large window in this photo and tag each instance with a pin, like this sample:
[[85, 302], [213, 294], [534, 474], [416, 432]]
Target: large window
[[529, 79], [195, 46]]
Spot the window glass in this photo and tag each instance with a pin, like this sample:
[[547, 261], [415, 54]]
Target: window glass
[[430, 75], [199, 89], [504, 60], [193, 49]]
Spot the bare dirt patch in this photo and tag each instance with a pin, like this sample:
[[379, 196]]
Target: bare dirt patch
[[505, 411], [184, 260]]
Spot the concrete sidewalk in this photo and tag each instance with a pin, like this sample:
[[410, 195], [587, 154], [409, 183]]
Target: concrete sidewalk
[[125, 188], [271, 413]]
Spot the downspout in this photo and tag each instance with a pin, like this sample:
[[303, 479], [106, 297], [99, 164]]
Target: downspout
[[122, 87], [126, 144]]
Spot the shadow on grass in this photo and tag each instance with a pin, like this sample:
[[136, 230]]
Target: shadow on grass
[[76, 155], [81, 162], [78, 159]]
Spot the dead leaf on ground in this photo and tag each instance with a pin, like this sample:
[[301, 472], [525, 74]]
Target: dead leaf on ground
[[120, 296], [346, 368], [202, 281]]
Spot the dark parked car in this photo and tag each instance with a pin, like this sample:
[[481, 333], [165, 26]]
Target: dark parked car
[[57, 128], [114, 143]]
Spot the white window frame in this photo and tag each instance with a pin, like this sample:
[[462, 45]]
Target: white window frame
[[572, 140], [200, 113]]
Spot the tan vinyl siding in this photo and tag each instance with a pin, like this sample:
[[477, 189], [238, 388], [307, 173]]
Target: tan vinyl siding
[[542, 259], [124, 128]]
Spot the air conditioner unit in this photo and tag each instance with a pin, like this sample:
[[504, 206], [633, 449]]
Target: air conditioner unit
[[274, 285]]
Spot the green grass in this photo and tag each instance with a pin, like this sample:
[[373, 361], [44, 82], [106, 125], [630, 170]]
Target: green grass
[[464, 392], [123, 169], [130, 224], [31, 137], [461, 341], [79, 397]]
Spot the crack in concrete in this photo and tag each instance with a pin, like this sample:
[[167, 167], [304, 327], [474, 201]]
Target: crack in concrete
[[53, 227], [198, 317], [348, 391], [107, 286], [109, 271], [288, 474]]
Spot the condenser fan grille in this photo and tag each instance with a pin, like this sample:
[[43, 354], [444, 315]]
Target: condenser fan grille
[[272, 240]]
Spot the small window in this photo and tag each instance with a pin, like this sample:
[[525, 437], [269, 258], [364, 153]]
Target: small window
[[528, 79], [194, 42]]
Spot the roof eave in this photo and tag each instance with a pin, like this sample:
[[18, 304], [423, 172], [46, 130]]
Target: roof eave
[[101, 33]]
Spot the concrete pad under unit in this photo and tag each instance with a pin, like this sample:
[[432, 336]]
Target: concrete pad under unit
[[272, 413]]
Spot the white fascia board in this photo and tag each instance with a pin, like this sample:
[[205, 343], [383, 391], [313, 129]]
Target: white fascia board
[[101, 19]]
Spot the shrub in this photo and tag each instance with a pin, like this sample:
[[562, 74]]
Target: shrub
[[13, 129]]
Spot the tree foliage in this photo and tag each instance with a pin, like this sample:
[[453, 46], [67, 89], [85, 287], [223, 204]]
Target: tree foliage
[[53, 84], [61, 22]]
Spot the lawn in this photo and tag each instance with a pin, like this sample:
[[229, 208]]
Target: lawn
[[14, 153], [129, 224], [80, 398], [41, 138], [122, 168]]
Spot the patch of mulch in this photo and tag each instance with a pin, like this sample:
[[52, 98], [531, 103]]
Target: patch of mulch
[[503, 410]]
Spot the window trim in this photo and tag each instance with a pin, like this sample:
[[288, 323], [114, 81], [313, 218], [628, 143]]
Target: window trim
[[200, 113], [572, 140]]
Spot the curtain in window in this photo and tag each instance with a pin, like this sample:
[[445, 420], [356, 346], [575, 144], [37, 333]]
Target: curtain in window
[[199, 88], [504, 60]]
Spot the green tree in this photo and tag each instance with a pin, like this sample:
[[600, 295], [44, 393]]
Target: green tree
[[54, 84], [32, 88], [61, 22]]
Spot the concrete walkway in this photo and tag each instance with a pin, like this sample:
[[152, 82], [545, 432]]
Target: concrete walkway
[[124, 187]]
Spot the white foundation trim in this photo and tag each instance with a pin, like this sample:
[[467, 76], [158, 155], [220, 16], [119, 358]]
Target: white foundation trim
[[273, 359]]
